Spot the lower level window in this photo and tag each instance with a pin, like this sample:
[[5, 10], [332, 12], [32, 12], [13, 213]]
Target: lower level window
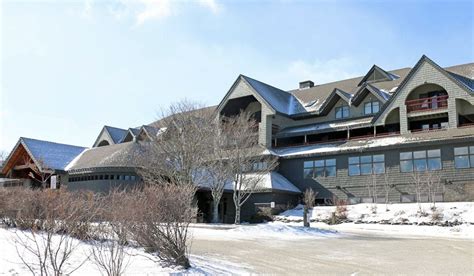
[[420, 161], [368, 164], [464, 157], [320, 168]]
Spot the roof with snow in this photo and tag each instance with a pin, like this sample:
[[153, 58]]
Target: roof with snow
[[331, 148], [281, 101], [48, 155], [118, 155], [270, 181], [324, 127]]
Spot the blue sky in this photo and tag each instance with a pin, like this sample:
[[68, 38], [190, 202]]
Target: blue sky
[[69, 67]]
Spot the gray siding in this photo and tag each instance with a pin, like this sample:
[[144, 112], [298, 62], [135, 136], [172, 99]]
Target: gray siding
[[462, 187]]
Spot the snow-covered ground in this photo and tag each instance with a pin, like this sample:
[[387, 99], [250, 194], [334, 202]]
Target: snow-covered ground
[[280, 231], [451, 219], [401, 213], [139, 262]]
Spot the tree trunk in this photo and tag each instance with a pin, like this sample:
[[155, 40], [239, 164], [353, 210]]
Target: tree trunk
[[237, 214], [215, 211], [305, 216]]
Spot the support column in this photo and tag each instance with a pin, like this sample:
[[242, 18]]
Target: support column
[[403, 119], [452, 113]]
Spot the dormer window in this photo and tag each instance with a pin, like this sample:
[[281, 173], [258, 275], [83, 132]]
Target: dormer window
[[371, 107], [342, 112]]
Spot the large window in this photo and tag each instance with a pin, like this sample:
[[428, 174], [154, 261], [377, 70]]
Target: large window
[[420, 161], [464, 157], [367, 164], [320, 168], [342, 112], [371, 107]]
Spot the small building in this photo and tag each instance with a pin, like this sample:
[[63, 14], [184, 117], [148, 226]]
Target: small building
[[38, 163]]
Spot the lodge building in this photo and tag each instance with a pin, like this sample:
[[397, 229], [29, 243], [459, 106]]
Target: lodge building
[[334, 138]]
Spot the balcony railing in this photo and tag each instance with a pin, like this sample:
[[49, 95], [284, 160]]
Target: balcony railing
[[427, 104]]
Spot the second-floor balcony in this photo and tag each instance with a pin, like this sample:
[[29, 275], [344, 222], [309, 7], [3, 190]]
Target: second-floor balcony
[[427, 104]]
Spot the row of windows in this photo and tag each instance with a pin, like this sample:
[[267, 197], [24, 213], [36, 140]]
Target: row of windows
[[320, 168], [368, 164], [418, 161], [369, 108], [103, 177]]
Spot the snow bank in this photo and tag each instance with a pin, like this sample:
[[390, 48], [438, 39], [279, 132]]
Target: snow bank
[[402, 213], [406, 219], [140, 263]]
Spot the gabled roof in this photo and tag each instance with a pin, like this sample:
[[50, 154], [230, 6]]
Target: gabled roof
[[115, 133], [383, 75], [282, 101], [321, 92], [130, 134], [48, 155], [360, 95], [333, 99], [422, 60]]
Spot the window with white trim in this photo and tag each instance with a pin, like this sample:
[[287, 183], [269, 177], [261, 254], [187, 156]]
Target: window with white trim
[[371, 107], [320, 168], [367, 164], [464, 157], [420, 161], [342, 112]]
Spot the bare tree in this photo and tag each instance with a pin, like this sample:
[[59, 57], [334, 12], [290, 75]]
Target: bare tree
[[433, 184], [387, 186], [218, 176], [418, 181], [180, 152], [248, 165], [371, 185], [3, 156], [309, 197]]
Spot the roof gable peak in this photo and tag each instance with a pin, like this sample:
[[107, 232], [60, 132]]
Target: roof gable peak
[[376, 74]]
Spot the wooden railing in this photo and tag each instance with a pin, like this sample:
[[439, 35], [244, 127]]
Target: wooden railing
[[427, 104]]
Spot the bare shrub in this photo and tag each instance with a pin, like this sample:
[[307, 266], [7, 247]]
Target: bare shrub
[[437, 215], [51, 219], [109, 253], [264, 214], [341, 209], [373, 209], [162, 227]]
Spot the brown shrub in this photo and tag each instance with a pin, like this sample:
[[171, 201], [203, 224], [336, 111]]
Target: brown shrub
[[341, 209], [162, 226]]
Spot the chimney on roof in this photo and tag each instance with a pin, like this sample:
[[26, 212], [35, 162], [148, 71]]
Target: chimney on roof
[[306, 84]]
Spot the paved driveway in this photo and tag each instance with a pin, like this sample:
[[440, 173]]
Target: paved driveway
[[348, 254]]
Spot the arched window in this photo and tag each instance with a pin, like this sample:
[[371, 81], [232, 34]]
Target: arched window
[[103, 143]]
